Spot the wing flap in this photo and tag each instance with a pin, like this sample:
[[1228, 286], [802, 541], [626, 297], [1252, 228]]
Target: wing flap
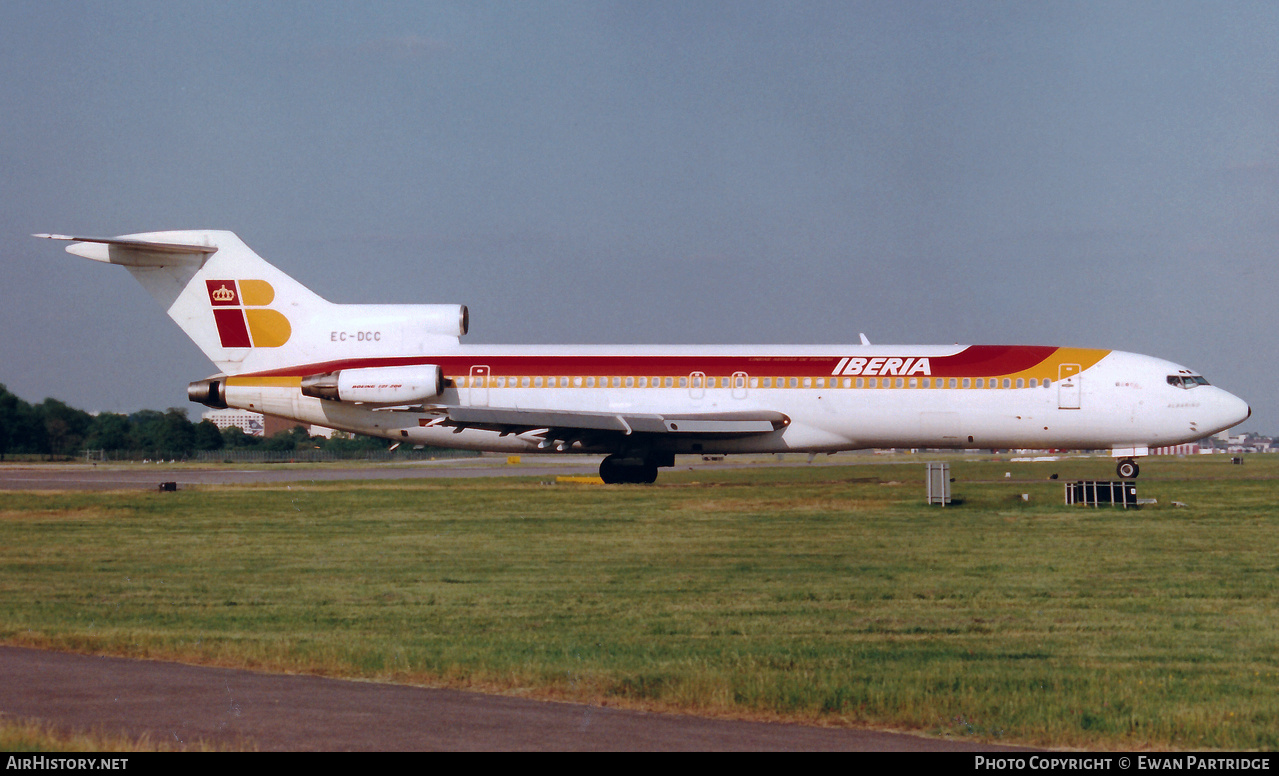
[[511, 420]]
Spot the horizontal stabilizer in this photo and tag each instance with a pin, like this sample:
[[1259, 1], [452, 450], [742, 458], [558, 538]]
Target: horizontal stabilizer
[[132, 251]]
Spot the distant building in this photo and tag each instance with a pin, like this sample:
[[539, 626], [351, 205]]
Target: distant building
[[257, 424], [1189, 448], [251, 423]]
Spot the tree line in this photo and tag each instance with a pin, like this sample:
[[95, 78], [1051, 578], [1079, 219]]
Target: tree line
[[56, 429]]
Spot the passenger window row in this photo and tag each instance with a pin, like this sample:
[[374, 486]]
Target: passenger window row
[[741, 381]]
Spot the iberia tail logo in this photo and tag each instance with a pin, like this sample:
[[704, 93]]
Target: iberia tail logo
[[243, 318]]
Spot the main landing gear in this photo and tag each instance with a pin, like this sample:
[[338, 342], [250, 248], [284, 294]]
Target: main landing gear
[[632, 469], [1127, 469]]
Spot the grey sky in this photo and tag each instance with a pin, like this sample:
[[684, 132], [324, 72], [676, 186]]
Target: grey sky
[[1086, 174]]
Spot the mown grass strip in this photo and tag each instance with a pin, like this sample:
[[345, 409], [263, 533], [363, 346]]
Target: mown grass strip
[[827, 594]]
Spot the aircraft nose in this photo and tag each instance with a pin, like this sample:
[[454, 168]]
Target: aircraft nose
[[1233, 410]]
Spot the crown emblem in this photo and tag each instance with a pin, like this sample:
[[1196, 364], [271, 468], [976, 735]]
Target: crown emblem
[[223, 294]]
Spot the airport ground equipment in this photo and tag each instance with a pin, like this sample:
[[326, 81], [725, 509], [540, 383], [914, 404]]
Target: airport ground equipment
[[938, 483], [1095, 493]]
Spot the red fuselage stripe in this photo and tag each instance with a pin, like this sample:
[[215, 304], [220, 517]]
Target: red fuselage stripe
[[975, 360]]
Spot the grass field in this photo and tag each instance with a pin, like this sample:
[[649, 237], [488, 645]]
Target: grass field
[[828, 594]]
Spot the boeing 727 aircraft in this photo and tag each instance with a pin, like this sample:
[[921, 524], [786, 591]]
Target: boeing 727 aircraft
[[400, 372]]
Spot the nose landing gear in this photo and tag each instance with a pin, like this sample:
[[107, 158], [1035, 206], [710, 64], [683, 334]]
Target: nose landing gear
[[1127, 469]]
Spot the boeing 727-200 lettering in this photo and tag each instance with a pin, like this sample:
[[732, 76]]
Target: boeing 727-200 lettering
[[400, 372]]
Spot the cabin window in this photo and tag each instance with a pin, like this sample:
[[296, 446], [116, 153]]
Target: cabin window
[[590, 382], [1021, 382], [768, 382], [808, 382], [754, 382], [577, 382], [872, 382], [1047, 383], [630, 382], [914, 382], [617, 382], [861, 382], [683, 382], [537, 382], [643, 382], [848, 382], [1007, 383], [967, 382], [669, 382], [1034, 382], [901, 382], [981, 383]]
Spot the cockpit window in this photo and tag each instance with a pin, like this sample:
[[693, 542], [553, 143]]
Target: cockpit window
[[1187, 381]]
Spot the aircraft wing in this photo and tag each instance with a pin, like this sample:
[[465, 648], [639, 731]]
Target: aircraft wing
[[568, 426]]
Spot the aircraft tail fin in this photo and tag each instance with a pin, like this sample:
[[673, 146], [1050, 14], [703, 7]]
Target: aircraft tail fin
[[247, 316]]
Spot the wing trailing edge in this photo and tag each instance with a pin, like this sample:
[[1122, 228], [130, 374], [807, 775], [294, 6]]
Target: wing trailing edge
[[515, 421]]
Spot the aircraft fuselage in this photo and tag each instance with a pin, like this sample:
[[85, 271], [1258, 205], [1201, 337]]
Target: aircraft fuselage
[[835, 397]]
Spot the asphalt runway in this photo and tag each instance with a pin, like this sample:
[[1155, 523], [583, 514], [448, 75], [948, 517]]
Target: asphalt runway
[[83, 476], [143, 476], [192, 705]]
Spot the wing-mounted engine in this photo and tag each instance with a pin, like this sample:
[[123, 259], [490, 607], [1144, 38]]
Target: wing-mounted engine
[[377, 385]]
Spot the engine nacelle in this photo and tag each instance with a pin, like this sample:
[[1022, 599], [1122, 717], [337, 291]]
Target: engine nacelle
[[210, 392], [377, 385]]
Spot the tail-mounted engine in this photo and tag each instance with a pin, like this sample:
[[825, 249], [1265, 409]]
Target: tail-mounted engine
[[210, 392], [377, 385]]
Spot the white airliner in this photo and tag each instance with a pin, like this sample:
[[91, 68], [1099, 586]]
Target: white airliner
[[400, 371]]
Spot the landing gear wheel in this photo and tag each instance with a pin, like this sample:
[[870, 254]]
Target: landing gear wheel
[[1127, 469], [610, 472], [613, 472]]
